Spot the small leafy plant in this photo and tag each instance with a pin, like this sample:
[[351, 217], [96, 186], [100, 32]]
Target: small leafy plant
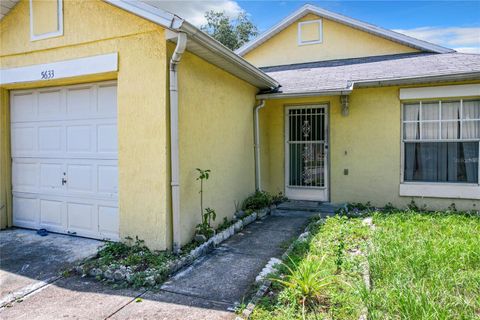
[[258, 200], [278, 198], [208, 215]]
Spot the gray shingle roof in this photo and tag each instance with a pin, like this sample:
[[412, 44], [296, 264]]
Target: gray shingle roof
[[340, 74]]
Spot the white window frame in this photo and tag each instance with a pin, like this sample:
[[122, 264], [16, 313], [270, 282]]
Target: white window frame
[[436, 189], [320, 32], [57, 33]]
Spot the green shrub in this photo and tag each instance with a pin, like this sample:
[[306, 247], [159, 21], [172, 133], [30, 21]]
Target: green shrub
[[258, 200]]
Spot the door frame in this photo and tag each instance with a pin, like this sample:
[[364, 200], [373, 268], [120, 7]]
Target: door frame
[[305, 193]]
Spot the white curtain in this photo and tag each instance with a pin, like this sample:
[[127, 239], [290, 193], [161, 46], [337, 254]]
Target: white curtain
[[471, 130], [411, 131], [453, 161], [450, 130]]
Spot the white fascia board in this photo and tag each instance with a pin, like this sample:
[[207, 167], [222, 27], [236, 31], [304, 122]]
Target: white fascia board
[[61, 69], [213, 45], [463, 76], [464, 90], [146, 11], [385, 33], [281, 95]]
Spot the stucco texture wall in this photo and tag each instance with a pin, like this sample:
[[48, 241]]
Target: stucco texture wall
[[339, 42], [93, 28], [216, 133], [367, 142]]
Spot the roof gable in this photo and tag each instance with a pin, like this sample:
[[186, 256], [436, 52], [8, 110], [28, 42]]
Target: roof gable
[[357, 24]]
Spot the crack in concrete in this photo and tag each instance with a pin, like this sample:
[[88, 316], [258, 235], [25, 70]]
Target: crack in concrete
[[27, 291], [126, 304]]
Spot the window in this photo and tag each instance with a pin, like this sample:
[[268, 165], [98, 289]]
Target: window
[[441, 141], [46, 19], [310, 32]]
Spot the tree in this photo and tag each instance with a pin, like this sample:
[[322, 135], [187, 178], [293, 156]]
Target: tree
[[232, 33]]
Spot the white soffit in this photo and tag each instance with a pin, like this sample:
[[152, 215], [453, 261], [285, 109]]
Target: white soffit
[[357, 24], [464, 90]]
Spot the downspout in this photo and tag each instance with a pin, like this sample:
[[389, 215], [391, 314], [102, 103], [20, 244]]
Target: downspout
[[174, 149], [258, 178]]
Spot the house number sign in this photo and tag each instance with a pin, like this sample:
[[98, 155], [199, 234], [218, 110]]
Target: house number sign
[[47, 74], [61, 69]]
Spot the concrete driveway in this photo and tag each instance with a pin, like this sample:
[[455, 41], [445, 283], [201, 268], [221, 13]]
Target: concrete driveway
[[28, 261]]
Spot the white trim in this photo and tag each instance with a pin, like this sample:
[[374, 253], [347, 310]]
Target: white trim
[[57, 33], [61, 69], [149, 12], [440, 190], [320, 31], [306, 9], [464, 90], [434, 189]]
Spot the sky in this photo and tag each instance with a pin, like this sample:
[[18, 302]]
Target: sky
[[453, 24]]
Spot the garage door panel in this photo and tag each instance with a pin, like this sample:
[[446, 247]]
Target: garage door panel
[[50, 139], [51, 214], [51, 176], [52, 107], [80, 178], [26, 211], [69, 134], [80, 218], [23, 107], [25, 175], [79, 138], [108, 223], [107, 101], [79, 102], [23, 139], [107, 138], [108, 179]]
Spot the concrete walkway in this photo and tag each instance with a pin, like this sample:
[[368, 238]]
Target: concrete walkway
[[208, 289]]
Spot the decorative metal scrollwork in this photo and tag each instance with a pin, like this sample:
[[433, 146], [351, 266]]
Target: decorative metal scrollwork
[[306, 128]]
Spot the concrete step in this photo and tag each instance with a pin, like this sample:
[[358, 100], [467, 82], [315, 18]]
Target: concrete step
[[293, 213], [308, 206]]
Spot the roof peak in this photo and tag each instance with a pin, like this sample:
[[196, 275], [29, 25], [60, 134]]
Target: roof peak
[[354, 23]]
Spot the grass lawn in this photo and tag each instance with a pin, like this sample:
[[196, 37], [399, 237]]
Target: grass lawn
[[422, 266]]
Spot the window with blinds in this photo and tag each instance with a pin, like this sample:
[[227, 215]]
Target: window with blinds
[[441, 141]]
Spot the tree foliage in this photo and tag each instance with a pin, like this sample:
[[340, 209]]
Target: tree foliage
[[231, 32]]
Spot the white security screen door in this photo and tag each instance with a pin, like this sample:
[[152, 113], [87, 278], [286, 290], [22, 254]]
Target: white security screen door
[[306, 153], [64, 159]]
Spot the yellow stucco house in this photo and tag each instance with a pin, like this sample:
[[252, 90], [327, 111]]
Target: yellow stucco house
[[108, 107]]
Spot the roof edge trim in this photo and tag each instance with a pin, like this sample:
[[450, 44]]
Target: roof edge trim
[[464, 76]]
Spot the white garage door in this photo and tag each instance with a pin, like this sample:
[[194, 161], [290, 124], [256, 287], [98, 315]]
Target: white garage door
[[64, 159]]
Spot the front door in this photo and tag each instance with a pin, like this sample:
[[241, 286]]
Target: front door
[[306, 153]]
